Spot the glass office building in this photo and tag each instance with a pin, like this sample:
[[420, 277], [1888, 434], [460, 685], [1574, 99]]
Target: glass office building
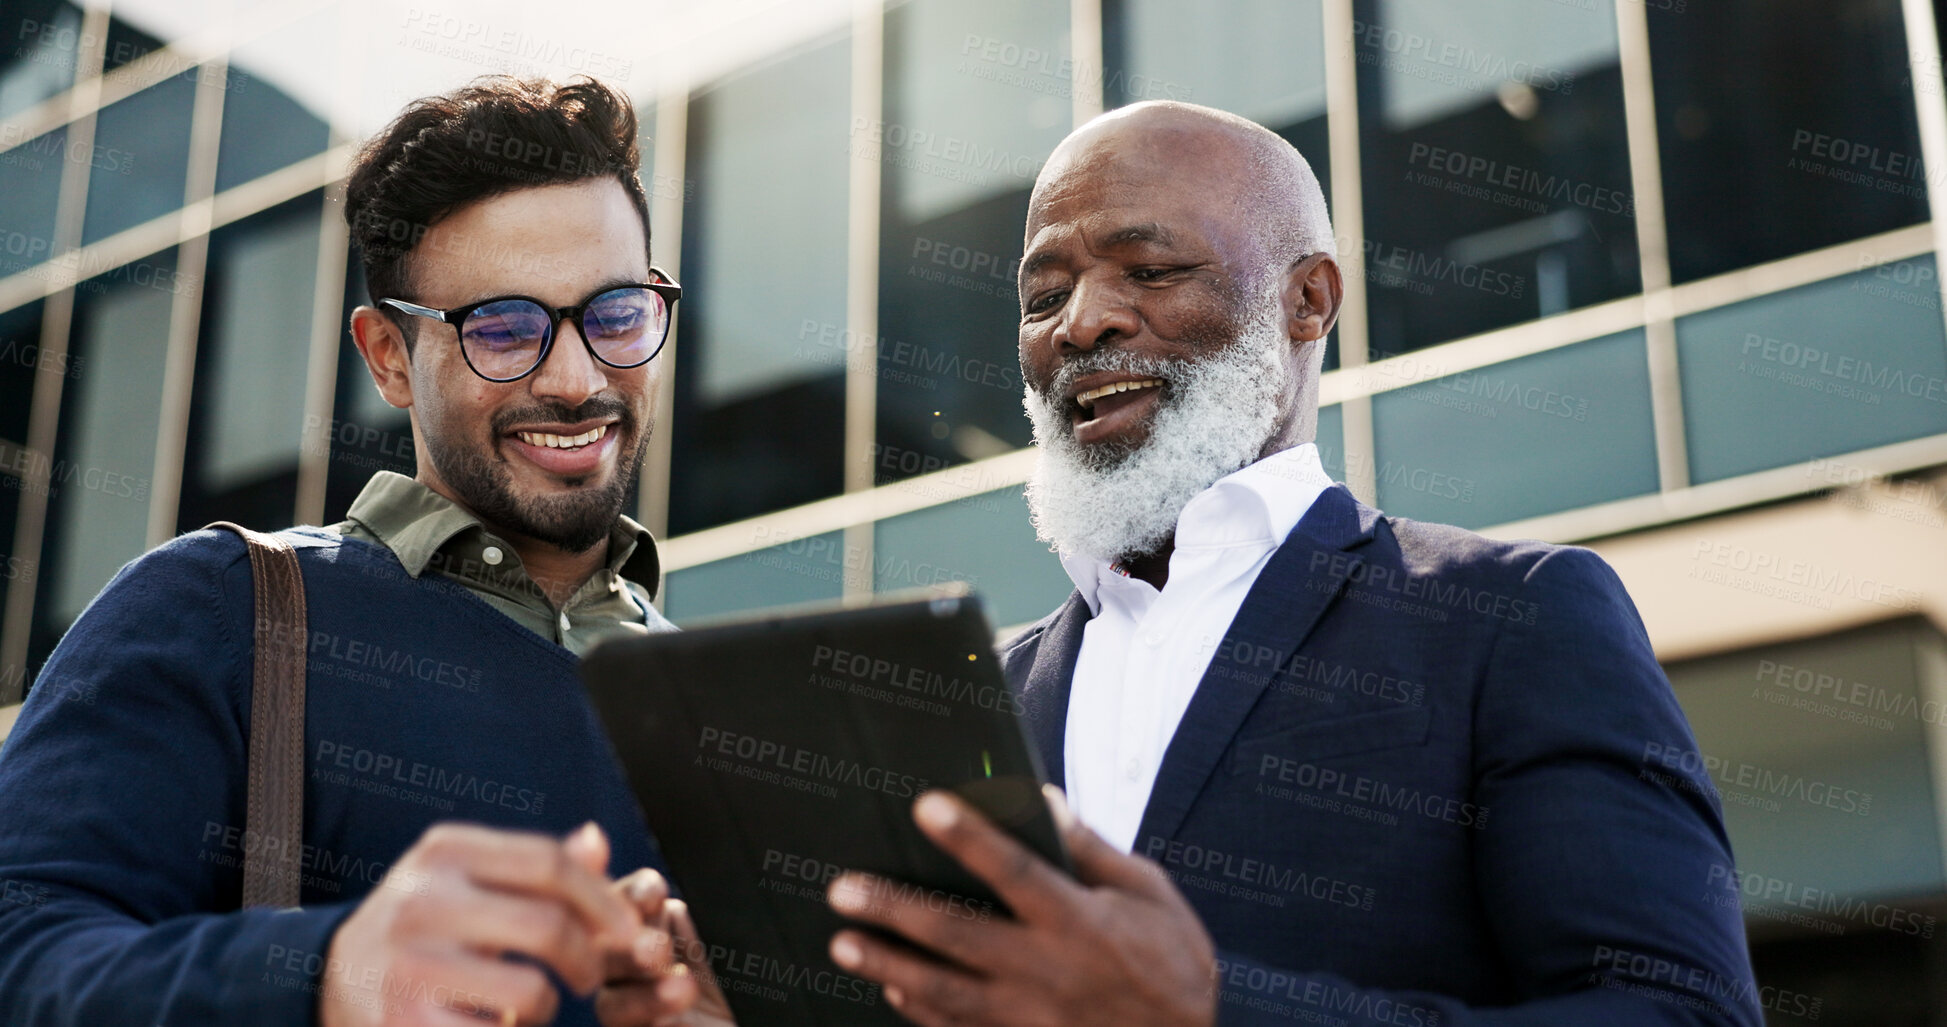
[[1653, 276]]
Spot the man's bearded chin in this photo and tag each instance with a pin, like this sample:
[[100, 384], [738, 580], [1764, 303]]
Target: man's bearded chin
[[1213, 417], [574, 521]]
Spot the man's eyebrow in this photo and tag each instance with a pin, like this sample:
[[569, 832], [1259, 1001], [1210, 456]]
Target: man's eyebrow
[[1148, 231], [1036, 263], [604, 285]]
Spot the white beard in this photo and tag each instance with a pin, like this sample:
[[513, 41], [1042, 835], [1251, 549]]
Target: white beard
[[1214, 417]]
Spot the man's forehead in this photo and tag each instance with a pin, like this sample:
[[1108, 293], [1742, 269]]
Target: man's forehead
[[1109, 221], [551, 244]]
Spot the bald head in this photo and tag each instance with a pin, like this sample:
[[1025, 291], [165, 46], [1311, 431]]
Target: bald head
[[1239, 171]]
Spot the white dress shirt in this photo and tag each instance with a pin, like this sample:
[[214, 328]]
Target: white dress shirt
[[1144, 651]]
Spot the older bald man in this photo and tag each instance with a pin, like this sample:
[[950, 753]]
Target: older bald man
[[1334, 767]]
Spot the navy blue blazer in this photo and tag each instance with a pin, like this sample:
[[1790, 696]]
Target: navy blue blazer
[[1431, 778]]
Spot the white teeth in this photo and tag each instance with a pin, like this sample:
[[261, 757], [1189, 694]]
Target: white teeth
[[1087, 399], [535, 438]]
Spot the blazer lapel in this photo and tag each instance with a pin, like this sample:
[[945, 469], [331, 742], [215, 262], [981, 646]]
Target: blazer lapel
[[1050, 679], [1293, 590]]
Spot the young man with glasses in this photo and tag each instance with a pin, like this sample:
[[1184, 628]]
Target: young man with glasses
[[461, 812]]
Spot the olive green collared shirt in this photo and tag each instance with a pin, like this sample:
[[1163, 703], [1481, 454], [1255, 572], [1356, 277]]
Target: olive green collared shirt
[[427, 531]]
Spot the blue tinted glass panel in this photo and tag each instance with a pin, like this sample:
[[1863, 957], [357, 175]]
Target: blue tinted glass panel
[[20, 360], [1567, 428], [104, 454], [264, 128], [247, 411], [1813, 141], [30, 180], [798, 571], [976, 96], [1331, 440], [1835, 366], [1494, 163], [761, 339], [984, 540], [140, 158], [1819, 755], [39, 43]]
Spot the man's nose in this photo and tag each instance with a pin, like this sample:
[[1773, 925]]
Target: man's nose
[[570, 373], [1097, 314]]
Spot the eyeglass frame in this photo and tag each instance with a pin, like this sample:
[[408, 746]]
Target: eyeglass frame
[[668, 289]]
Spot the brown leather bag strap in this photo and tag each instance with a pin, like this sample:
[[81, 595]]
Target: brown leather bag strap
[[274, 817]]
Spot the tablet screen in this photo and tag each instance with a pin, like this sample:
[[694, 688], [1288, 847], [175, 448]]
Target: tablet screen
[[772, 754]]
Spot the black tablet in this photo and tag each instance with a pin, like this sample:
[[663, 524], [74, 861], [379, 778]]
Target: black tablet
[[772, 753]]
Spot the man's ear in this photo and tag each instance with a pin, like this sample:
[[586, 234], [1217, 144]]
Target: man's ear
[[384, 350], [1313, 291]]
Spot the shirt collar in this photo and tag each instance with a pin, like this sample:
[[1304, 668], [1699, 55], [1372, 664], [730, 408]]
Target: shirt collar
[[1258, 505], [417, 523]]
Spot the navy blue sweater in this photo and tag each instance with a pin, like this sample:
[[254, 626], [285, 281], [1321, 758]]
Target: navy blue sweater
[[122, 786]]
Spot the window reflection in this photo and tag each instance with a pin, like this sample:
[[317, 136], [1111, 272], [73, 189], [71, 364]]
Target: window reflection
[[140, 158], [760, 370], [1494, 163], [1558, 430], [264, 128], [984, 539], [247, 406], [975, 99], [1836, 366], [1811, 142], [38, 55], [30, 179], [800, 571], [98, 493]]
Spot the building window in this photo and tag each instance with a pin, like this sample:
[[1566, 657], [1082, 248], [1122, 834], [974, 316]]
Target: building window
[[1494, 164], [1811, 142], [976, 96], [760, 359]]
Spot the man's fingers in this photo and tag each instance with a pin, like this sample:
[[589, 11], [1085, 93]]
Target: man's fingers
[[538, 865], [644, 1002], [588, 846], [646, 890], [473, 986], [1036, 891], [497, 923], [650, 955], [922, 990]]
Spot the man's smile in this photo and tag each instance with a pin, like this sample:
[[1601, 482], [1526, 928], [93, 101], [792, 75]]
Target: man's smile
[[1104, 406], [571, 450]]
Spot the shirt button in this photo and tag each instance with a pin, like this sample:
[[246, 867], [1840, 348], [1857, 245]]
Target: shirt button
[[1152, 639], [1132, 770], [492, 555], [564, 623]]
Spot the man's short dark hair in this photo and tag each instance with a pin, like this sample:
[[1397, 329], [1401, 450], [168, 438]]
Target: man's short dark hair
[[492, 136]]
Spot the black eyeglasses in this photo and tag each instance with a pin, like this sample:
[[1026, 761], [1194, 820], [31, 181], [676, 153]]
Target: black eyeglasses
[[505, 338]]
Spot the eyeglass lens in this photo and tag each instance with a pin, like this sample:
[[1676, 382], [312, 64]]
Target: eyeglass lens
[[504, 339]]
